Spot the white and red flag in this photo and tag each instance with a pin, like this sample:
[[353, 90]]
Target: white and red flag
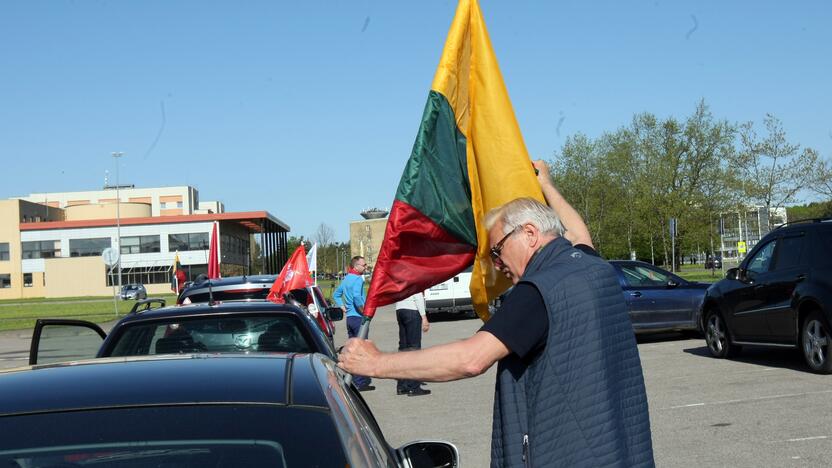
[[294, 275]]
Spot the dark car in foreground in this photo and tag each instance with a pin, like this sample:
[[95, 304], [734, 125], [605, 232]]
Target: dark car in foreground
[[279, 410], [780, 296], [256, 288], [657, 300], [231, 327]]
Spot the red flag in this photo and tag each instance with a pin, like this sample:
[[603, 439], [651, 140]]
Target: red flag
[[213, 256], [294, 275]]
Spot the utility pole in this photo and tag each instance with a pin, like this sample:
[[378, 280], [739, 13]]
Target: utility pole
[[116, 156]]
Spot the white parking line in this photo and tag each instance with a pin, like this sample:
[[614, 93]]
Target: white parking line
[[806, 438], [746, 400]]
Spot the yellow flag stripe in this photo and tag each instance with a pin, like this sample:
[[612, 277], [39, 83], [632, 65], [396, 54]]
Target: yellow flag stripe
[[499, 168]]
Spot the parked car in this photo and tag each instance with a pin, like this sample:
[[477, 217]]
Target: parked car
[[250, 327], [780, 296], [453, 295], [256, 288], [202, 410], [134, 291], [657, 300]]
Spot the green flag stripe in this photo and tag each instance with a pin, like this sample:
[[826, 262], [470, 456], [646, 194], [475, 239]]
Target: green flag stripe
[[435, 180]]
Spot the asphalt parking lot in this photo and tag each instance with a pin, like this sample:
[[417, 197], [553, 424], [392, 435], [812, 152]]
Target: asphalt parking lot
[[762, 409]]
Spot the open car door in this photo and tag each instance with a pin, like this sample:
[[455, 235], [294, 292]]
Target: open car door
[[60, 340]]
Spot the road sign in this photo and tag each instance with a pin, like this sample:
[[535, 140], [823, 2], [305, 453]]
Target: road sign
[[110, 256], [741, 248]]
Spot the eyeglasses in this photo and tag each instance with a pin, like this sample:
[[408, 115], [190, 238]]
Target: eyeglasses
[[498, 247]]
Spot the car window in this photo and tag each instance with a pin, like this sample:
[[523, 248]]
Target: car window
[[214, 334], [639, 276], [823, 256], [761, 262], [173, 436], [320, 297], [789, 252], [370, 430]]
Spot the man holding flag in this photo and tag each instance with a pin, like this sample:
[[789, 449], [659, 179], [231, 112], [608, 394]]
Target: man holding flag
[[570, 390]]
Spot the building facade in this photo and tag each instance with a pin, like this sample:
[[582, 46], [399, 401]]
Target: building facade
[[162, 201], [55, 251]]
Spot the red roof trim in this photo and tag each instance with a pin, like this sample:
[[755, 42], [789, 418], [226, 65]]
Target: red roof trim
[[247, 218]]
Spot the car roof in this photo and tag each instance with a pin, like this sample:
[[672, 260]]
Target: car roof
[[278, 379], [202, 308], [230, 284]]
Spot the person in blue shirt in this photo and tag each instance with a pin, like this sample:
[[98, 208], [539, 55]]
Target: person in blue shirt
[[350, 297]]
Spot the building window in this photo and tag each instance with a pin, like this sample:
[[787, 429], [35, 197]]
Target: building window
[[4, 251], [192, 241], [88, 247], [140, 244], [41, 249], [179, 204], [5, 281], [234, 250], [27, 280], [144, 275]]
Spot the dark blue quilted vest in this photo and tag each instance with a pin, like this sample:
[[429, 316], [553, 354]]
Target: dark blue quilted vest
[[581, 402]]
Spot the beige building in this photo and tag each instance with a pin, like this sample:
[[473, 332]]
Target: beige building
[[56, 251], [162, 201], [367, 235]]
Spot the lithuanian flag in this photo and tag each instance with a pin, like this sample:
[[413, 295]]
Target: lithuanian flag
[[469, 157]]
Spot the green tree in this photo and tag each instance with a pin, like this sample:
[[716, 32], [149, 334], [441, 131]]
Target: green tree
[[772, 169]]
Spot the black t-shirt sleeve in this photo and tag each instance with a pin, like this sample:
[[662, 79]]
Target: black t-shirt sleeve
[[587, 250], [521, 323]]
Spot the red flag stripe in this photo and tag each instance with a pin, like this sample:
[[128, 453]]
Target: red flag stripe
[[416, 254]]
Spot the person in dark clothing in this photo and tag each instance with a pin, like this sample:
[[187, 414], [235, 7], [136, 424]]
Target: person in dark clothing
[[410, 313], [570, 390]]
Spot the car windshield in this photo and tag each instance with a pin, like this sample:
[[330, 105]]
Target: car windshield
[[188, 436], [229, 333], [130, 287], [640, 276]]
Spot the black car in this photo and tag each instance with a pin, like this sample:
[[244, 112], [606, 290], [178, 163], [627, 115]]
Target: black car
[[657, 300], [199, 410], [779, 296], [250, 327]]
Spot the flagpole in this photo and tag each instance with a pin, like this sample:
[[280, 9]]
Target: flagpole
[[363, 332]]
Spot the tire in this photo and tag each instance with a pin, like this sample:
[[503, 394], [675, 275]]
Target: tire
[[717, 337], [816, 343]]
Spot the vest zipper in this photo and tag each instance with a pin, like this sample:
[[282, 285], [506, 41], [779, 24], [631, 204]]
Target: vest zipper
[[527, 459]]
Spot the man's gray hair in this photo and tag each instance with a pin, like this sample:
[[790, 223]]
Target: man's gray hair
[[525, 211]]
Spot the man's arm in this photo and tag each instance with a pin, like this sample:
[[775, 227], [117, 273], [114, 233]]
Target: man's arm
[[420, 307], [576, 230], [339, 292], [358, 296], [453, 361]]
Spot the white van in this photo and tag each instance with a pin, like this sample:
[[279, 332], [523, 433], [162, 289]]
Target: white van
[[453, 295]]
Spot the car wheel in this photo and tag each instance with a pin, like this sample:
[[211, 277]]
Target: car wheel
[[817, 346], [716, 336]]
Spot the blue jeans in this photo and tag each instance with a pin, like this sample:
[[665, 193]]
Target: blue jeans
[[353, 325]]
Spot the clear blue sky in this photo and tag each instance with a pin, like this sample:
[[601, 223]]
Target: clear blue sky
[[308, 109]]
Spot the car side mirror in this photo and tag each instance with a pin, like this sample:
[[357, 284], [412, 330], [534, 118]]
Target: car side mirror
[[732, 274], [671, 283], [429, 454], [334, 313]]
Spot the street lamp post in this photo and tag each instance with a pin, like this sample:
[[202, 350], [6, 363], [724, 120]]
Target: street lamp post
[[116, 156]]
